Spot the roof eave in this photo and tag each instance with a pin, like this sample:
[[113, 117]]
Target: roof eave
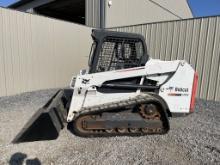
[[19, 3]]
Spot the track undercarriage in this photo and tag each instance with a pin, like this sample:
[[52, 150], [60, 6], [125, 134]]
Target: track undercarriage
[[141, 115]]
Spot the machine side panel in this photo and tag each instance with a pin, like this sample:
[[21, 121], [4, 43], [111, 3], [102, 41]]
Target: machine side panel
[[178, 90]]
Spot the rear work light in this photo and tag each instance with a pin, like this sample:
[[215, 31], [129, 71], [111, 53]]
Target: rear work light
[[194, 88]]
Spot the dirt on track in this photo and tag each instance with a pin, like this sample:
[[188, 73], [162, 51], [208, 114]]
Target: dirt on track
[[194, 139]]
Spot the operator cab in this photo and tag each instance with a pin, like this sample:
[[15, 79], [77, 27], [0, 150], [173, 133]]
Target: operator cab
[[116, 50]]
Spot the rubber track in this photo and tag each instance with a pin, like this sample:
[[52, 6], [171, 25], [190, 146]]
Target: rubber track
[[140, 99]]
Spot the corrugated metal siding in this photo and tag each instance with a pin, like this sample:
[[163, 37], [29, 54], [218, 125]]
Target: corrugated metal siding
[[93, 13], [195, 40], [38, 52]]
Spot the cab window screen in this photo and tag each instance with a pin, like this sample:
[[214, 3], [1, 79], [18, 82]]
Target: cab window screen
[[119, 53]]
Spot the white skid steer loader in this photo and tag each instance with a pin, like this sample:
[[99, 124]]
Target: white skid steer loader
[[123, 92]]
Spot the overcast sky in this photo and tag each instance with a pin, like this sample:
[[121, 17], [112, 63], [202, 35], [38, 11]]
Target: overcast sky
[[199, 7]]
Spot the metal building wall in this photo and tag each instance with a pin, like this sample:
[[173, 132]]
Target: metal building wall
[[131, 12], [38, 52], [178, 7], [195, 40], [93, 13]]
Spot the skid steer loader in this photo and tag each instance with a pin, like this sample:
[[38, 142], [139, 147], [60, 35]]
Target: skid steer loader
[[124, 92]]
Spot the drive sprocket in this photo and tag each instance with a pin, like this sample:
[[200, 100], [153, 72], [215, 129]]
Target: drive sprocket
[[149, 111]]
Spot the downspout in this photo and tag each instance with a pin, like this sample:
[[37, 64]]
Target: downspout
[[102, 14]]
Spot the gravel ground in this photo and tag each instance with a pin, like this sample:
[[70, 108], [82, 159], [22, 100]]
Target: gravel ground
[[194, 139]]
